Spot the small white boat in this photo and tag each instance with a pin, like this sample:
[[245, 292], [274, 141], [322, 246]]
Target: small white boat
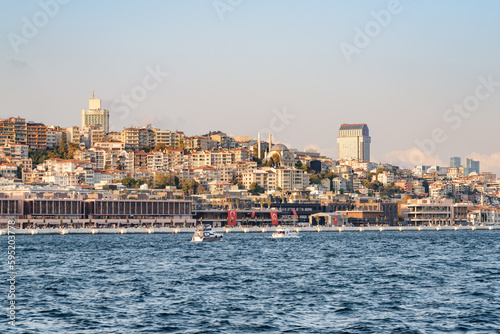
[[285, 233], [205, 234]]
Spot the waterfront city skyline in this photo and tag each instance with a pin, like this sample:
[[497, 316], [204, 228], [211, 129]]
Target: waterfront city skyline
[[243, 166]]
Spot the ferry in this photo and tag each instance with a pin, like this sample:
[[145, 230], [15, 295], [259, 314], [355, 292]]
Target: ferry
[[205, 234], [285, 233]]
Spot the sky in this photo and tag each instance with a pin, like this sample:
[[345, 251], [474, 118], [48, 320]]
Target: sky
[[424, 75]]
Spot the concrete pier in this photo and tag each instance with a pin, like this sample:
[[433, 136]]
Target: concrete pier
[[146, 230]]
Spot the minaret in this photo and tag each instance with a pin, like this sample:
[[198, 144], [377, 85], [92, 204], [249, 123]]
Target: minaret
[[270, 141], [258, 146]]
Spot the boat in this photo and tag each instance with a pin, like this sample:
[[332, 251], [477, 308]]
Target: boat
[[282, 232], [205, 234]]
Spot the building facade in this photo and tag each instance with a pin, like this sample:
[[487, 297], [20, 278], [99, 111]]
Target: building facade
[[354, 142], [95, 115], [455, 162], [36, 136], [473, 166]]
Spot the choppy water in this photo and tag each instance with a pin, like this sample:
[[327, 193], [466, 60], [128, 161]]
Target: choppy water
[[388, 282]]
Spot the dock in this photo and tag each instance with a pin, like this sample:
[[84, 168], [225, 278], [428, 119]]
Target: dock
[[175, 230]]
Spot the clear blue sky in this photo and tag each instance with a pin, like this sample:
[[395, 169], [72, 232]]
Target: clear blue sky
[[230, 74]]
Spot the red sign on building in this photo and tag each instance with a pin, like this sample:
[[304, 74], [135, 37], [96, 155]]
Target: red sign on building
[[231, 217], [274, 218]]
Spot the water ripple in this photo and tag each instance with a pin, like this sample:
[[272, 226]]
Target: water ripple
[[391, 282]]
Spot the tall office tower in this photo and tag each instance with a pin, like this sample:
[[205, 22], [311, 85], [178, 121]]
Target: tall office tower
[[455, 162], [354, 142], [473, 165], [95, 115]]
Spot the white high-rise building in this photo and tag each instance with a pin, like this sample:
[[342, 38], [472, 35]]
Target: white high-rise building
[[354, 142], [95, 115]]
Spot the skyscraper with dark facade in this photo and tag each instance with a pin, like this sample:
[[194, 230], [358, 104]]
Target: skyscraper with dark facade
[[455, 162], [472, 165]]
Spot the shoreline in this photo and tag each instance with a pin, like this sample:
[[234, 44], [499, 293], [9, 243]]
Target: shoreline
[[169, 230]]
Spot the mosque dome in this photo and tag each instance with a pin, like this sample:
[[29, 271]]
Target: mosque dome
[[279, 147]]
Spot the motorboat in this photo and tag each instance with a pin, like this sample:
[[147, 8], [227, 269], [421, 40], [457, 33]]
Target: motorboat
[[205, 234], [282, 232]]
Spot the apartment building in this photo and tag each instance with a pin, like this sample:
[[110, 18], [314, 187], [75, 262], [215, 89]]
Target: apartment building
[[434, 211], [136, 138], [110, 145], [264, 178], [155, 161], [272, 178], [73, 135], [8, 170], [36, 136], [175, 157], [55, 137], [385, 178], [196, 143], [17, 152], [13, 129]]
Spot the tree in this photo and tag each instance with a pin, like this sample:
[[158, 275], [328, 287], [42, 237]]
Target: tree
[[161, 180], [372, 185], [176, 181], [406, 199], [390, 190], [160, 147], [314, 179], [189, 186], [62, 152], [180, 144], [255, 189], [425, 184], [240, 185], [381, 170], [19, 173], [129, 182], [200, 189], [328, 175], [275, 158]]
